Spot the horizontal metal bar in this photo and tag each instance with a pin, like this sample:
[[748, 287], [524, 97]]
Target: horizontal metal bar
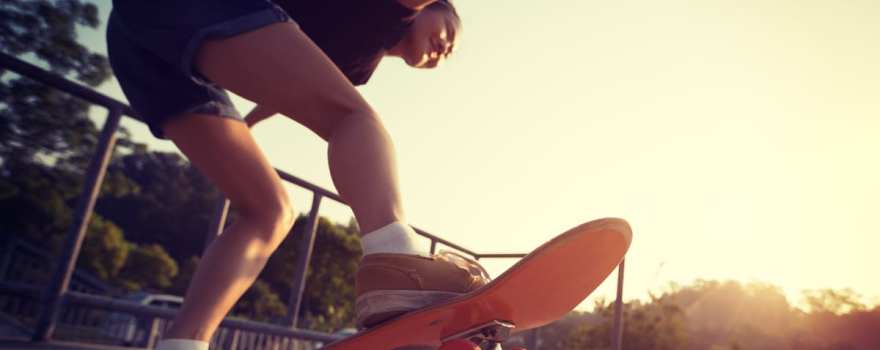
[[309, 186], [329, 194], [153, 311], [39, 74], [20, 289], [81, 276], [444, 242]]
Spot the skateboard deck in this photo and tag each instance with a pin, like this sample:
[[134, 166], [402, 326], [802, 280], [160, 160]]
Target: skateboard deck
[[541, 288]]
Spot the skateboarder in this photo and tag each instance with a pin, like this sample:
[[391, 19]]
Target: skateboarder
[[300, 58]]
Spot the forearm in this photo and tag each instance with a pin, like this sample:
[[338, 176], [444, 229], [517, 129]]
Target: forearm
[[257, 114]]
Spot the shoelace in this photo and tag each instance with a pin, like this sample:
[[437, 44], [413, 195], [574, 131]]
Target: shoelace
[[465, 263]]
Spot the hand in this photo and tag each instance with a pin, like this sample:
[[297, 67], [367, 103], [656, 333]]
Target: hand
[[258, 114]]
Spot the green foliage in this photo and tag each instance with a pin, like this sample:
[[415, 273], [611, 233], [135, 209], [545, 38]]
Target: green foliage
[[725, 315], [260, 303], [149, 268], [556, 335], [36, 205], [46, 134], [171, 204], [658, 325], [105, 250], [33, 203], [184, 276], [39, 123], [328, 301], [47, 29], [756, 314], [833, 301]]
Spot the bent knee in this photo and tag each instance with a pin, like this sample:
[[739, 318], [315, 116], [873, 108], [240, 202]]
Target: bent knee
[[273, 218], [343, 117]]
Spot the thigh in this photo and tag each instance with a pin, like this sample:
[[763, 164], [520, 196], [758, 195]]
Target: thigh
[[280, 67], [156, 88], [224, 150]]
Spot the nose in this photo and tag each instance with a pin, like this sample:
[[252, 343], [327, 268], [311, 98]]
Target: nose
[[442, 46], [447, 48]]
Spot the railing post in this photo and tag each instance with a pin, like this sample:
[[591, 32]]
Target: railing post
[[303, 256], [152, 334], [230, 341], [7, 258], [54, 294], [234, 342], [532, 339], [217, 226], [617, 335]]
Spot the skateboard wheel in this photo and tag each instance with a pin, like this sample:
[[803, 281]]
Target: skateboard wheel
[[459, 344]]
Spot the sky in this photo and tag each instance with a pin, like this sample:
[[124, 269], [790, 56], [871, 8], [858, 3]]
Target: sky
[[738, 138]]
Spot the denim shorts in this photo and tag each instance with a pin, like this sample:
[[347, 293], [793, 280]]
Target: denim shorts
[[152, 43]]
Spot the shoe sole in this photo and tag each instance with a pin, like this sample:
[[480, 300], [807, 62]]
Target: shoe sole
[[378, 306]]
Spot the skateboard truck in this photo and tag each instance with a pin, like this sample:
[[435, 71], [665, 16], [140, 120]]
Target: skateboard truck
[[492, 333]]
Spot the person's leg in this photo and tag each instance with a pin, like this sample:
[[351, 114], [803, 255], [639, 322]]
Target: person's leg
[[224, 151], [279, 66]]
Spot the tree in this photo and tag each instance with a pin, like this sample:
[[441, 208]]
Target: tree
[[184, 276], [172, 206], [47, 29], [833, 301], [148, 268], [34, 202], [39, 122], [721, 313], [260, 303], [46, 134], [328, 301], [105, 249], [658, 325], [725, 315], [555, 335], [837, 319]]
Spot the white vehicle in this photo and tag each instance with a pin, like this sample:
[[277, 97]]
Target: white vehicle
[[342, 333], [130, 330]]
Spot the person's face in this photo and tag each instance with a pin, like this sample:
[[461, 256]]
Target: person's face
[[430, 39]]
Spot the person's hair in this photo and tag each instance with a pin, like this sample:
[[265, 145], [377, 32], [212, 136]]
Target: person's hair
[[444, 5]]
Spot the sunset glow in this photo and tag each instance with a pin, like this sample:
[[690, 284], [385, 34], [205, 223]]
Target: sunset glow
[[739, 138]]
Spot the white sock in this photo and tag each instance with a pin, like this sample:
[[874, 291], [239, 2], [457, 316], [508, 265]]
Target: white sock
[[395, 238], [181, 344]]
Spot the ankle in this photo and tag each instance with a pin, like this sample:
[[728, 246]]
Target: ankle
[[394, 238]]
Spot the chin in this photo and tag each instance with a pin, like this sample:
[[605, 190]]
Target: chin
[[418, 65], [417, 60]]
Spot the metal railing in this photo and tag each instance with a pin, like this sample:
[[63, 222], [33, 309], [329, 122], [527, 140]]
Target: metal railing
[[21, 262], [234, 333]]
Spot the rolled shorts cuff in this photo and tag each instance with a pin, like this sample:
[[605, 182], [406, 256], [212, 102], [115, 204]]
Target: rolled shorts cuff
[[214, 108], [225, 29]]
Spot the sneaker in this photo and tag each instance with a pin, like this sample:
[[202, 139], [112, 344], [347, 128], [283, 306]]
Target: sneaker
[[389, 285]]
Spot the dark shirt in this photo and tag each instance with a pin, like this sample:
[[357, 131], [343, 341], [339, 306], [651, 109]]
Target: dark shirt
[[355, 34]]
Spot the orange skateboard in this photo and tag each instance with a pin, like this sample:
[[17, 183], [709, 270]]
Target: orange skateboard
[[537, 290]]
